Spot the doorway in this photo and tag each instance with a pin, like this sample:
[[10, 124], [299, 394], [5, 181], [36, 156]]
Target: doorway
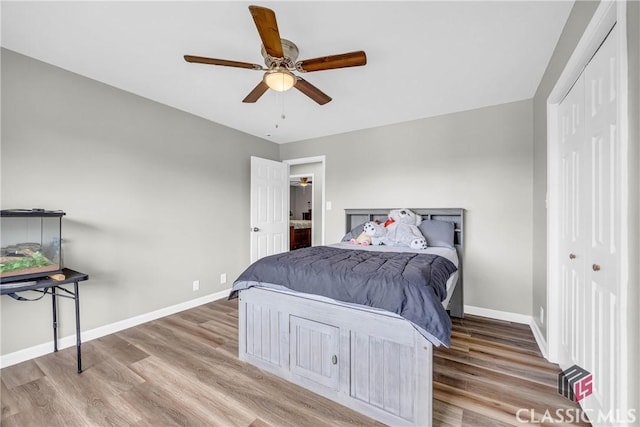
[[301, 206], [313, 210]]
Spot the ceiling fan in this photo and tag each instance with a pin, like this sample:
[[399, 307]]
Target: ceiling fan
[[280, 58], [301, 182]]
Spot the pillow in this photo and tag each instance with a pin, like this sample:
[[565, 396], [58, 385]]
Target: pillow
[[354, 232], [438, 233]]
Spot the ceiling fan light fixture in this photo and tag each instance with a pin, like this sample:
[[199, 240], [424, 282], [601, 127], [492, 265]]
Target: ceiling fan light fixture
[[279, 79]]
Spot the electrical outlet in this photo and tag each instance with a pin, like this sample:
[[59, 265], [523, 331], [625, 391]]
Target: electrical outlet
[[541, 315], [196, 285], [223, 278]]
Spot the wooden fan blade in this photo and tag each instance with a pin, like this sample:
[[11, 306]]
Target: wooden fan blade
[[312, 92], [225, 62], [267, 25], [256, 93], [343, 60]]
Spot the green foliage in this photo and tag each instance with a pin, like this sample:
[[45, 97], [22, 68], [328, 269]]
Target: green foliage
[[15, 264]]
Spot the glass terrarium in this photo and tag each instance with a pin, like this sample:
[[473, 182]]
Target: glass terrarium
[[30, 242]]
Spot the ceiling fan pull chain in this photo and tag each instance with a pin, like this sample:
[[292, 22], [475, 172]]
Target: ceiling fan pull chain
[[280, 99], [282, 116]]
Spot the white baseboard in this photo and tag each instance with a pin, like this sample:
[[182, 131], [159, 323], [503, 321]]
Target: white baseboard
[[498, 315], [70, 340], [512, 317], [542, 342]]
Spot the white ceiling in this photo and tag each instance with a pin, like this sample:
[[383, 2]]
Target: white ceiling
[[425, 58]]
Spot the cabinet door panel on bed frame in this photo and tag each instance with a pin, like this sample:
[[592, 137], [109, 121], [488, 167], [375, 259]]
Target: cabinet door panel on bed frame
[[383, 374], [314, 351], [266, 334]]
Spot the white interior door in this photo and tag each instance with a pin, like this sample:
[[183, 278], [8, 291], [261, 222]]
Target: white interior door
[[269, 207], [603, 345], [591, 322], [573, 223]]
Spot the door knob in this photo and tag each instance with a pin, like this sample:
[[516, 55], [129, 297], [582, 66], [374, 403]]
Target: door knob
[[255, 229], [572, 256], [595, 267], [334, 359]]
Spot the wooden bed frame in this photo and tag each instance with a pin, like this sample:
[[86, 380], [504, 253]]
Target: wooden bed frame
[[369, 360]]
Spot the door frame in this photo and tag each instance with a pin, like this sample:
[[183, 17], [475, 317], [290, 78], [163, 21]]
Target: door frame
[[323, 210], [603, 19]]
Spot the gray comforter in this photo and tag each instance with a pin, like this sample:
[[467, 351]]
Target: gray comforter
[[409, 284]]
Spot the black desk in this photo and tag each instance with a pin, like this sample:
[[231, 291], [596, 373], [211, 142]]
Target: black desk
[[50, 286]]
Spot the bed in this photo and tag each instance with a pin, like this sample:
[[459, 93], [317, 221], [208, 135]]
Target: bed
[[371, 359], [299, 233]]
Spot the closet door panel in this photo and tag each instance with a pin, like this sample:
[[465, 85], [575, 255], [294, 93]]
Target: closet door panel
[[603, 344], [574, 222]]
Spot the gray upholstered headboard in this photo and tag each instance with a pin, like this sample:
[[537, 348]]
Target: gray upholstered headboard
[[456, 215]]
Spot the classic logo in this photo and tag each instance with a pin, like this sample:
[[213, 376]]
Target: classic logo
[[575, 383]]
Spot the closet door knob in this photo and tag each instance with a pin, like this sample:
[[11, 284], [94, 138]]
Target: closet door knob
[[595, 267], [334, 359], [572, 256], [255, 229]]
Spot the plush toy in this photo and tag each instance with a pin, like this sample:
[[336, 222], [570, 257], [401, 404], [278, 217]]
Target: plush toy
[[375, 231], [402, 230], [371, 234], [363, 239]]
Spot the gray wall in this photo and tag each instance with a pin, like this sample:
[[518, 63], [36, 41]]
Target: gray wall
[[480, 160], [155, 198]]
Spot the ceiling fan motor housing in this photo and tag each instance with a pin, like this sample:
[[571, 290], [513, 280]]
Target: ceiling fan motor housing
[[290, 51]]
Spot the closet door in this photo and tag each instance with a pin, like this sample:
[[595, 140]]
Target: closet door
[[590, 206], [603, 346], [574, 227]]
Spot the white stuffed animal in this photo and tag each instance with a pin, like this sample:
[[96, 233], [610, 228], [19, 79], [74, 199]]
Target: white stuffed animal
[[375, 231], [402, 230]]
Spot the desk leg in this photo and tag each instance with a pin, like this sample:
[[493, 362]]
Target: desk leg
[[55, 319], [78, 344]]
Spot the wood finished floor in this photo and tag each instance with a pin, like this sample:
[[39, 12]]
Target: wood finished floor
[[184, 370]]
